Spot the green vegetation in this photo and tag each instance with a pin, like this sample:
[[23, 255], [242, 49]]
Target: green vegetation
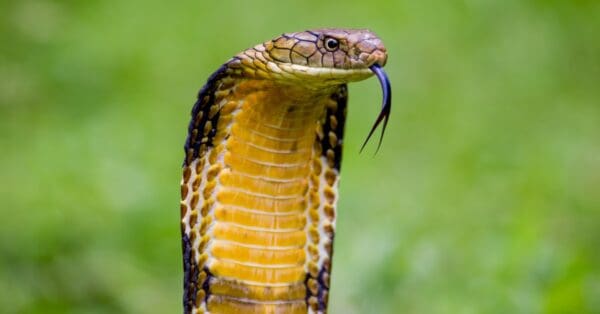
[[485, 197]]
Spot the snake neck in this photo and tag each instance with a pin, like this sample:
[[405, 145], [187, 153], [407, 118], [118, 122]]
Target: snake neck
[[257, 248]]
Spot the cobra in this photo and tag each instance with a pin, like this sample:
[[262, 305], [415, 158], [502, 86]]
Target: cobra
[[261, 172]]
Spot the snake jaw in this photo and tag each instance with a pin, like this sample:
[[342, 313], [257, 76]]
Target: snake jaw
[[386, 106]]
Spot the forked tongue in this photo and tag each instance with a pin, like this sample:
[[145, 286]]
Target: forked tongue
[[386, 106]]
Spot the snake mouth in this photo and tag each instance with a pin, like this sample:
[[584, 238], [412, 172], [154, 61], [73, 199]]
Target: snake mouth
[[386, 106]]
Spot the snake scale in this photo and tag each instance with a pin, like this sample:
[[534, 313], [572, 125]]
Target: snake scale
[[261, 172]]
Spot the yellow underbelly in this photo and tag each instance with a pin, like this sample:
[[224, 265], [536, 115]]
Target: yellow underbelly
[[250, 198]]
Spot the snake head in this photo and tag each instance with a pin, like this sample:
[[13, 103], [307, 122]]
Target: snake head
[[329, 48], [315, 57]]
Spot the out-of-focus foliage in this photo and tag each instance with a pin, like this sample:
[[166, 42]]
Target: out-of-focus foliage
[[485, 197]]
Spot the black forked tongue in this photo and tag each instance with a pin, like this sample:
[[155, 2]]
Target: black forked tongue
[[386, 106]]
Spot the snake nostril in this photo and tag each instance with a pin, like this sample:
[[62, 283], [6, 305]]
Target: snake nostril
[[365, 57]]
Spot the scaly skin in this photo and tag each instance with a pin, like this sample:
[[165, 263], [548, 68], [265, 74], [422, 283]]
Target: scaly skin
[[261, 173]]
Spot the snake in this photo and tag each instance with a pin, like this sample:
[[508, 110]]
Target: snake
[[261, 171]]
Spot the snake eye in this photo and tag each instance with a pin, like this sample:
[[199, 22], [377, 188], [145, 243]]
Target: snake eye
[[331, 44]]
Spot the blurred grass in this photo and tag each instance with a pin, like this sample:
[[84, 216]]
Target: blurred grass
[[484, 199]]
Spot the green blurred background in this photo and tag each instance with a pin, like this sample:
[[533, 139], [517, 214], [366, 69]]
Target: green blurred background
[[485, 197]]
